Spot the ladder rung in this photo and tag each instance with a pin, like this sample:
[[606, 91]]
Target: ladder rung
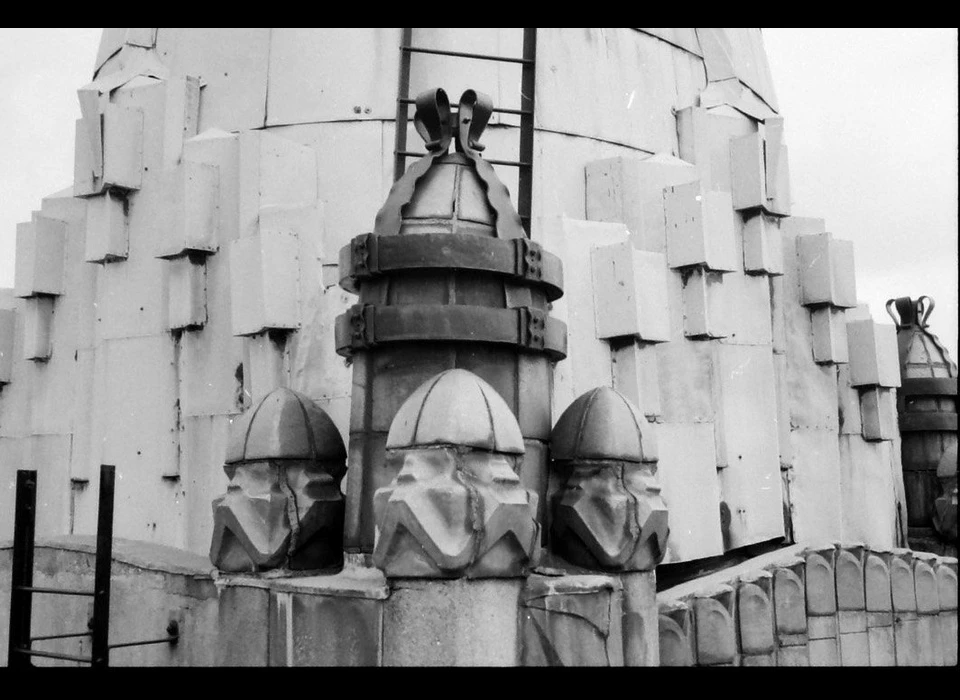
[[498, 110], [165, 640], [52, 655], [61, 636], [55, 591], [461, 54], [514, 163]]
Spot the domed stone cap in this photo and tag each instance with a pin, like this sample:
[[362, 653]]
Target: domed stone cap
[[600, 424], [456, 407], [285, 425]]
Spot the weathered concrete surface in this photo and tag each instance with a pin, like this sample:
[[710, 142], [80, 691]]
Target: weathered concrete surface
[[452, 623]]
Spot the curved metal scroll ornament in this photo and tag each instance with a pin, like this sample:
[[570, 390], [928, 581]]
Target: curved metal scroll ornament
[[475, 111], [911, 312], [433, 122]]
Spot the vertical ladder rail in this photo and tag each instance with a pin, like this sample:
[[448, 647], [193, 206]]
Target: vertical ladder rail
[[21, 597], [528, 81], [100, 657], [403, 89]]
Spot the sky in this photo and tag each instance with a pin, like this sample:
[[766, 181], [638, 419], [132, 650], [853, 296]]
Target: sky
[[870, 118]]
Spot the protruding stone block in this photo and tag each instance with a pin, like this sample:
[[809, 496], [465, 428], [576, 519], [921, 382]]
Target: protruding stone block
[[122, 147], [630, 191], [264, 283], [822, 606], [848, 403], [39, 263], [630, 287], [456, 507], [906, 629], [748, 180], [755, 616], [716, 631], [263, 365], [8, 327], [283, 507], [608, 514], [878, 414], [571, 621], [879, 607], [677, 639], [827, 274], [700, 228], [192, 191], [874, 360], [705, 306], [636, 375], [107, 236], [38, 328], [188, 294], [762, 246], [829, 335], [776, 167]]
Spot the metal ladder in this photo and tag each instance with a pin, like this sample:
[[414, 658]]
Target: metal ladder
[[527, 93], [20, 649]]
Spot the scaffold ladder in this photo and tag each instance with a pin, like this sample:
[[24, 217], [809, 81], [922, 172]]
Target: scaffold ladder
[[20, 649], [526, 111]]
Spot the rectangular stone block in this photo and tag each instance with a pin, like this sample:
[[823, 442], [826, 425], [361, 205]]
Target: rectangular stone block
[[748, 180], [641, 645], [755, 617], [39, 262], [38, 328], [8, 327], [777, 167], [244, 629], [264, 280], [778, 325], [107, 237], [677, 638], [700, 228], [192, 192], [815, 489], [630, 191], [716, 632], [794, 656], [122, 147], [874, 360], [630, 287], [762, 247], [188, 294], [324, 630], [855, 649], [827, 274], [688, 477], [829, 335], [880, 646], [868, 471], [878, 414], [705, 306], [747, 437], [264, 368], [689, 382], [452, 623], [946, 569], [748, 313], [705, 137], [636, 375]]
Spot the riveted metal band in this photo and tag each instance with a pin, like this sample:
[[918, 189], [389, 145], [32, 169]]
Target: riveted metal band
[[520, 259], [365, 326]]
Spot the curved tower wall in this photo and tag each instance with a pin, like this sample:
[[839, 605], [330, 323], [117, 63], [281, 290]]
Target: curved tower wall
[[248, 157]]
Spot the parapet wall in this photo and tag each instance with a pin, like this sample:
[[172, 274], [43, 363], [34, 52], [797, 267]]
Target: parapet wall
[[822, 606]]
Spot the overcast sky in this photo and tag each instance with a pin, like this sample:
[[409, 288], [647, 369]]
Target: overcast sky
[[871, 122]]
